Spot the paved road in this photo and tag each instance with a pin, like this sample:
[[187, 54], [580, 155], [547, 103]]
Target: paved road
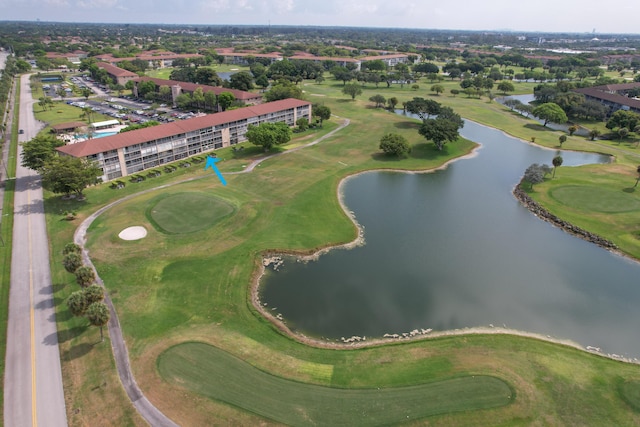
[[33, 393]]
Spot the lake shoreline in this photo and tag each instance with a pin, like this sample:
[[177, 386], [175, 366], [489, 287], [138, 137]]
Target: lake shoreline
[[274, 258]]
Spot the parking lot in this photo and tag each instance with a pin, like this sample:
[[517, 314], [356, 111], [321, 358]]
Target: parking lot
[[125, 108]]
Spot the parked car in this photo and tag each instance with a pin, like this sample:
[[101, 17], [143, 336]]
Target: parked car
[[21, 131]]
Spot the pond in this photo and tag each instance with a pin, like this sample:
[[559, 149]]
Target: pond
[[454, 249]]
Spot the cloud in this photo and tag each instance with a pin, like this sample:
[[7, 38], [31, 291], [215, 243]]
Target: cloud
[[97, 4], [57, 3]]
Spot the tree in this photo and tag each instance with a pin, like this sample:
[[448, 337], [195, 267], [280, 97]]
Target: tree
[[426, 68], [283, 89], [87, 113], [439, 130], [623, 119], [93, 293], [210, 100], [562, 139], [572, 129], [268, 134], [262, 81], [438, 89], [395, 145], [66, 175], [38, 151], [225, 99], [622, 133], [593, 134], [207, 76], [534, 174], [557, 161], [506, 86], [423, 107], [447, 113], [241, 81], [44, 102], [392, 102], [352, 90], [378, 99], [302, 123], [550, 112], [77, 303], [85, 276], [198, 97], [322, 112], [71, 262], [342, 73], [86, 92], [98, 315], [454, 92], [71, 248], [638, 178]]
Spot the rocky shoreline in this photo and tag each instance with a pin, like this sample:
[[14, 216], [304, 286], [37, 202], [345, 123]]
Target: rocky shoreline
[[545, 215]]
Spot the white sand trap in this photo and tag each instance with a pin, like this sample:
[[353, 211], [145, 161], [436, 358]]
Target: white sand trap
[[133, 233]]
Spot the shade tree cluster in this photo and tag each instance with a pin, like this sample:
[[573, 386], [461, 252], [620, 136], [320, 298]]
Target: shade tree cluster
[[60, 174], [88, 301]]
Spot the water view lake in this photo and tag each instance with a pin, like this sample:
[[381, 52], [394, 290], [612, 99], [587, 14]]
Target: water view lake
[[454, 249]]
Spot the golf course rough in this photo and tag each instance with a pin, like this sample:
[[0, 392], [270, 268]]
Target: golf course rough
[[216, 374]]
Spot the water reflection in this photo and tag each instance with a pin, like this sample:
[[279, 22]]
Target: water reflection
[[454, 249]]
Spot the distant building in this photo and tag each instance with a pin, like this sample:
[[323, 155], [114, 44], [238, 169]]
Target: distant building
[[118, 75], [613, 96], [178, 87], [155, 58], [134, 151]]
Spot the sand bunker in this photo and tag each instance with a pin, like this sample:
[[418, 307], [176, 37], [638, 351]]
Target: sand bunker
[[133, 233]]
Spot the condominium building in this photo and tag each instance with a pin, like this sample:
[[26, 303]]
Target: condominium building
[[132, 152]]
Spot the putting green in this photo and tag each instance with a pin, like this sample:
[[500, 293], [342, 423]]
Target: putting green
[[182, 213], [595, 199], [216, 374]]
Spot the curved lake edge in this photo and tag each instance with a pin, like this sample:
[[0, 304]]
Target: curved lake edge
[[273, 256]]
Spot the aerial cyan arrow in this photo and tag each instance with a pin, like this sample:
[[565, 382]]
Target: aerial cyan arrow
[[211, 161]]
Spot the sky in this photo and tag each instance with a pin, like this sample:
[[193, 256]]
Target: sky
[[574, 16]]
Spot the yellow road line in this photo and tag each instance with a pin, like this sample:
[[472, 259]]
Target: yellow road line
[[34, 412]]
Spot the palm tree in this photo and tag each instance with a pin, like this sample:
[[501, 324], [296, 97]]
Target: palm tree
[[77, 303], [72, 261], [557, 161], [85, 276], [98, 315]]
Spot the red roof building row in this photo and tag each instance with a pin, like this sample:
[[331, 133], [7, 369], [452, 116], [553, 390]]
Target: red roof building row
[[178, 87], [134, 151], [612, 96]]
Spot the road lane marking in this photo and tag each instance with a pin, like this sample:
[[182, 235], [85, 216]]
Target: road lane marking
[[34, 412]]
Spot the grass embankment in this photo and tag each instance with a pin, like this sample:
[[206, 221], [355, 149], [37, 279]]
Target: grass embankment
[[6, 234], [175, 288]]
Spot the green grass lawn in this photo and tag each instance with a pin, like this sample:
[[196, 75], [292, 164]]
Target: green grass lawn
[[235, 382], [175, 288], [598, 198], [183, 213]]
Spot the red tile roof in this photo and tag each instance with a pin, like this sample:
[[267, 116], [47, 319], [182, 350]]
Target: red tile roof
[[190, 87], [116, 71], [599, 93], [126, 139], [322, 58]]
